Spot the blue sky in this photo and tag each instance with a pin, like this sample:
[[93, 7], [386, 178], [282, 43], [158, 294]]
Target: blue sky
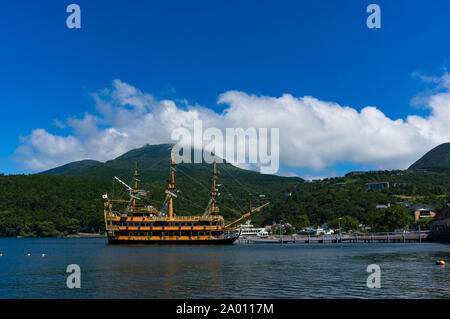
[[197, 50]]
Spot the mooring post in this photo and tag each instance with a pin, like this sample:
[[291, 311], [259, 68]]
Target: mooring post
[[420, 236]]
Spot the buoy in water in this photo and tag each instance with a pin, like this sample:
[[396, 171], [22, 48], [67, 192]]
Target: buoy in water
[[440, 262], [43, 255], [28, 254]]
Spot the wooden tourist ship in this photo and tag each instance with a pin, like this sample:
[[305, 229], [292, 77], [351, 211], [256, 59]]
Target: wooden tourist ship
[[144, 224]]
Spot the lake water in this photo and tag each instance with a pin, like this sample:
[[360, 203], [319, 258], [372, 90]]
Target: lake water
[[237, 271]]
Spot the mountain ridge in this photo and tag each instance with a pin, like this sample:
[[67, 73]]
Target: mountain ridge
[[239, 186], [52, 205], [152, 159], [70, 167], [437, 158]]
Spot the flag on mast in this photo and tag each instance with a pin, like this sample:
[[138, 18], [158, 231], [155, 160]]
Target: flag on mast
[[105, 196]]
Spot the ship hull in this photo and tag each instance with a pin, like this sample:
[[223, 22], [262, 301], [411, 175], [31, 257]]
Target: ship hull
[[222, 241]]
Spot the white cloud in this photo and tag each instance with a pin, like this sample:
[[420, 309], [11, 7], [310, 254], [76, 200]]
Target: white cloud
[[59, 124], [314, 134]]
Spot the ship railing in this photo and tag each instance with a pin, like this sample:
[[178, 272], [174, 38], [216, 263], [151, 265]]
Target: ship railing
[[190, 217], [116, 214], [183, 217]]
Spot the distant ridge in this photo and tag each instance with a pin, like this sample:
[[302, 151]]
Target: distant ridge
[[438, 159], [147, 157], [238, 186], [153, 164], [42, 205], [71, 168]]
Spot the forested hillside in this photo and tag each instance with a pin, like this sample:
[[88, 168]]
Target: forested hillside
[[51, 205], [438, 159], [38, 205], [325, 200]]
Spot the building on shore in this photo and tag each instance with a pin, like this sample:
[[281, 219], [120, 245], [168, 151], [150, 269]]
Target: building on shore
[[440, 226], [418, 211], [406, 204], [377, 186], [356, 173], [422, 211]]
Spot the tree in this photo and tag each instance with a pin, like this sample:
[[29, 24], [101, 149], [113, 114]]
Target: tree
[[424, 223], [302, 222], [389, 219], [397, 216], [286, 229], [46, 229], [346, 223], [73, 225]]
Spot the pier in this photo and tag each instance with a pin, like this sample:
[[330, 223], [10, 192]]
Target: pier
[[391, 237]]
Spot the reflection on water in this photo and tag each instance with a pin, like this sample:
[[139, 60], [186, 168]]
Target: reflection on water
[[238, 271]]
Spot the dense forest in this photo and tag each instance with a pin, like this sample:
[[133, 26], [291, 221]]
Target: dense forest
[[48, 206], [39, 205], [326, 200], [67, 199]]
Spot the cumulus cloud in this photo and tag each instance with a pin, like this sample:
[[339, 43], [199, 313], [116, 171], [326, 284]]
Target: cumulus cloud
[[314, 134]]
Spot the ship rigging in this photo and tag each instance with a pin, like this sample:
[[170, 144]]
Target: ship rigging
[[141, 223]]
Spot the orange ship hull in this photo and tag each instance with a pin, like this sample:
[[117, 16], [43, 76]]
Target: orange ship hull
[[219, 241]]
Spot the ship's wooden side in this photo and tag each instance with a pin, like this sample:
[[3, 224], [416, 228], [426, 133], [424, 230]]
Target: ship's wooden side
[[141, 224], [170, 241], [160, 230]]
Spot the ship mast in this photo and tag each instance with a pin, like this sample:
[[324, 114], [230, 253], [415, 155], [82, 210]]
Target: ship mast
[[135, 184], [171, 188], [214, 208]]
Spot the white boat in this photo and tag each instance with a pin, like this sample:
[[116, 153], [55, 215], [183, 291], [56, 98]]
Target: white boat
[[247, 230]]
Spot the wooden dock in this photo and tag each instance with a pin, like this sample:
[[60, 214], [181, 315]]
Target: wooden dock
[[394, 237]]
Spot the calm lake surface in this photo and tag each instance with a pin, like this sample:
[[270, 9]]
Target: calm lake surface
[[237, 271]]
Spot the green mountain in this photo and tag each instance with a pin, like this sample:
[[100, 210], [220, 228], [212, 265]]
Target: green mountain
[[153, 164], [438, 159], [239, 188], [48, 206], [67, 199], [71, 168]]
